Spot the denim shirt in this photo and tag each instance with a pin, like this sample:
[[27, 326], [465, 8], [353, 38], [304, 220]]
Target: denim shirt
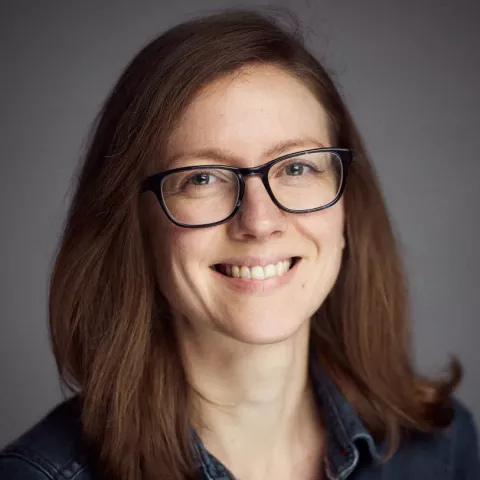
[[52, 449]]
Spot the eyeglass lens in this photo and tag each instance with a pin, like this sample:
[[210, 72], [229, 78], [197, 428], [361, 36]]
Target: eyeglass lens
[[209, 195]]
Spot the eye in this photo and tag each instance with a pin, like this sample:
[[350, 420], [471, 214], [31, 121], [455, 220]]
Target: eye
[[202, 179], [297, 169]]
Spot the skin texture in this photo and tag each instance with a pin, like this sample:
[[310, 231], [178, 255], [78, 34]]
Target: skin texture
[[245, 350]]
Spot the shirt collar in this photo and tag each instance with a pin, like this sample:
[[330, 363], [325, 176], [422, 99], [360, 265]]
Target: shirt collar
[[345, 431]]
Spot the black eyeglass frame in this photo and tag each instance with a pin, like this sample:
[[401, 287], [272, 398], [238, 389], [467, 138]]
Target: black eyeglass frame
[[154, 182]]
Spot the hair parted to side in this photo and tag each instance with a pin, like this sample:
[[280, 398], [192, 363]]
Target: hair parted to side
[[110, 328]]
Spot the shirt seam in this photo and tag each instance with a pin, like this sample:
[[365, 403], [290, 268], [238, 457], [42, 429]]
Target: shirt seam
[[351, 450], [30, 461], [49, 469]]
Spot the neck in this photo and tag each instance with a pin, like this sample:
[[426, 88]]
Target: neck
[[254, 407]]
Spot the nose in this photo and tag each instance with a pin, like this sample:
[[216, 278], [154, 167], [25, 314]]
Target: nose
[[258, 217]]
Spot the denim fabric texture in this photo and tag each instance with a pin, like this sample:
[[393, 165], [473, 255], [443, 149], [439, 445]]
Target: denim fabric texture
[[52, 449]]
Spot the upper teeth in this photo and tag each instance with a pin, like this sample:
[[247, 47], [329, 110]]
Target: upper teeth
[[258, 272]]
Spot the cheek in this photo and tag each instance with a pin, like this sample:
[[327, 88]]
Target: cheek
[[178, 256], [191, 247], [168, 241], [324, 228], [183, 274], [182, 254]]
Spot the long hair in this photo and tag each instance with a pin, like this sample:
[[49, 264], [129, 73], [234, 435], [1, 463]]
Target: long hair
[[110, 327]]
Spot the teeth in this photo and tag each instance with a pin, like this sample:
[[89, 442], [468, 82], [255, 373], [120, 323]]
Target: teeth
[[245, 272], [270, 271], [280, 269], [257, 272]]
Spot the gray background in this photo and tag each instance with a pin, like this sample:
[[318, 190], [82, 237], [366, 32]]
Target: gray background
[[409, 70]]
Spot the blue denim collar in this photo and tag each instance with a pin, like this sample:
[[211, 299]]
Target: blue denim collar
[[345, 431]]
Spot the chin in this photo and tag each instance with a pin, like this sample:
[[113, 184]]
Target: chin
[[266, 331]]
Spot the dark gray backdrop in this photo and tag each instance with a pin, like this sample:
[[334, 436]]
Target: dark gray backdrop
[[409, 71]]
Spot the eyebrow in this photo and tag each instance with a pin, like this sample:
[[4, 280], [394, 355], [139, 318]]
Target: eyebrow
[[222, 156]]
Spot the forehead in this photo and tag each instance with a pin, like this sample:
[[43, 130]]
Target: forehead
[[249, 112]]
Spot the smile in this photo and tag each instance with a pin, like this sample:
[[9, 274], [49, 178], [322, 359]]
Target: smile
[[256, 272]]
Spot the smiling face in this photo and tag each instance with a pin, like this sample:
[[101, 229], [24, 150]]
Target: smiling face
[[293, 260]]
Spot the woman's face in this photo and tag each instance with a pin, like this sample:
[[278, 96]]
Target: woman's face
[[242, 117]]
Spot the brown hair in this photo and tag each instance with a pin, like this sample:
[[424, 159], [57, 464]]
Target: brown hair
[[110, 328]]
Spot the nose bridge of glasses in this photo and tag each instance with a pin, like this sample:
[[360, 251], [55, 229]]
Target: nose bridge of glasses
[[253, 174], [259, 171]]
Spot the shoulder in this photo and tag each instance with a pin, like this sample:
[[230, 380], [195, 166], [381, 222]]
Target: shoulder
[[51, 449], [462, 438], [451, 453]]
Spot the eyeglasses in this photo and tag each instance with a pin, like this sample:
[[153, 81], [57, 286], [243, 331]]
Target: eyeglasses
[[207, 195]]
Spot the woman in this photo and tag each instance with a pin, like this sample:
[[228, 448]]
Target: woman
[[225, 302]]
